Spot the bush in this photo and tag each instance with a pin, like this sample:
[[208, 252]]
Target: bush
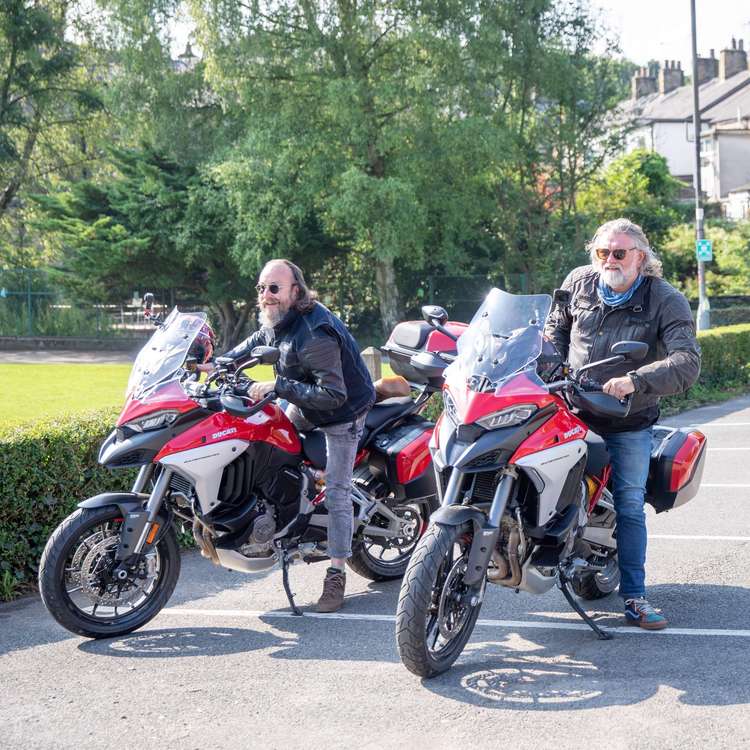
[[45, 469]]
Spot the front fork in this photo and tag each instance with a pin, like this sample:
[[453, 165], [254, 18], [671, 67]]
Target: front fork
[[139, 527]]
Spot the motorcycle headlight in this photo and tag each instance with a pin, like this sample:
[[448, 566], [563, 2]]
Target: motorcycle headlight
[[449, 407], [153, 421], [507, 417]]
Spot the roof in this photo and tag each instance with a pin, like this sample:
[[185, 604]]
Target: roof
[[677, 105], [740, 189], [735, 107]]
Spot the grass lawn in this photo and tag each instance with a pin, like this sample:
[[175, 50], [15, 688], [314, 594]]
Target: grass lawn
[[31, 392]]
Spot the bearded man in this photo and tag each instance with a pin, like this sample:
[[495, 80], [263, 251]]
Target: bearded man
[[321, 374], [621, 296]]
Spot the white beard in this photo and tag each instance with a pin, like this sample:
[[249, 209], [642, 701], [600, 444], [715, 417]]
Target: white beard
[[271, 315], [614, 277]]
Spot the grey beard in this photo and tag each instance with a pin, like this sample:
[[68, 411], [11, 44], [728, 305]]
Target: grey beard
[[270, 316], [613, 278]]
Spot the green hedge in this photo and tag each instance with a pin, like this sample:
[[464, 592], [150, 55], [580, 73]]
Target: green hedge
[[46, 468]]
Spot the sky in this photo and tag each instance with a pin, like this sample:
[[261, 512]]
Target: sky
[[660, 29]]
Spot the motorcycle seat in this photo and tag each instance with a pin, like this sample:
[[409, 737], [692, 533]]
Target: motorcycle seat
[[598, 455], [314, 441]]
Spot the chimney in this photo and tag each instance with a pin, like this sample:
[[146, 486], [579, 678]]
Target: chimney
[[671, 77], [642, 83], [732, 61], [708, 68]]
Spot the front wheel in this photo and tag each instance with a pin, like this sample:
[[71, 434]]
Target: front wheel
[[436, 610], [76, 578]]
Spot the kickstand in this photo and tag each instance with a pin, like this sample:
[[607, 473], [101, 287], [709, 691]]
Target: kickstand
[[285, 578], [564, 585]]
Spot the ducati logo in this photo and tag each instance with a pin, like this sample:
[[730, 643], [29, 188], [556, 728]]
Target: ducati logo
[[572, 432], [223, 433]]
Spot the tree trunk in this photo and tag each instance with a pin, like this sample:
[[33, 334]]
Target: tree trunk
[[233, 324], [388, 299]]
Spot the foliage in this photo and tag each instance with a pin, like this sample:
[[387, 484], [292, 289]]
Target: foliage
[[728, 273], [45, 469], [156, 224], [637, 185]]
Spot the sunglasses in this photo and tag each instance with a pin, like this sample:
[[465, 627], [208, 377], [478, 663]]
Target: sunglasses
[[604, 252], [273, 288]]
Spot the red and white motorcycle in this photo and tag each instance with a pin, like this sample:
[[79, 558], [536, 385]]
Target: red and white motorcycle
[[239, 476], [522, 480]]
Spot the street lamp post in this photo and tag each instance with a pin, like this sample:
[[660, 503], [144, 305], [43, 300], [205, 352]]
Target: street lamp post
[[704, 308]]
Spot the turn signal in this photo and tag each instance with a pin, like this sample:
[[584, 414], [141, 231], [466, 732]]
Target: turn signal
[[152, 534]]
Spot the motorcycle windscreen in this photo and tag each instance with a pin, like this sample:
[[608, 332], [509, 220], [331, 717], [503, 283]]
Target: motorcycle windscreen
[[504, 339], [161, 359]]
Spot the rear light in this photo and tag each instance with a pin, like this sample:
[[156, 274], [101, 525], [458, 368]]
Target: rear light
[[684, 460]]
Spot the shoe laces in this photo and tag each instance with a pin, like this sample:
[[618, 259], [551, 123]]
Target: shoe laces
[[641, 606]]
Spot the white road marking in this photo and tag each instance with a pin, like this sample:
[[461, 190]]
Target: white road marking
[[701, 425], [700, 537], [510, 624], [724, 450], [709, 484]]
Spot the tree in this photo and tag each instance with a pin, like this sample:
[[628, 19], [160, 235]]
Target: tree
[[158, 224], [639, 187]]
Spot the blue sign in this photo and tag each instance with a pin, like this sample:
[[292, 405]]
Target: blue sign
[[704, 250]]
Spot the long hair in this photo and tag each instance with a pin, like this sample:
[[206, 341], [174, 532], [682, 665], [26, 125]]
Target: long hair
[[651, 264], [306, 297]]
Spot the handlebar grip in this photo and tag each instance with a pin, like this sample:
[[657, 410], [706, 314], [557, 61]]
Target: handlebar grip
[[591, 385]]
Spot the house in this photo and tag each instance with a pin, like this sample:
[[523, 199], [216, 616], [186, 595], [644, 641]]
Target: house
[[737, 205], [660, 112]]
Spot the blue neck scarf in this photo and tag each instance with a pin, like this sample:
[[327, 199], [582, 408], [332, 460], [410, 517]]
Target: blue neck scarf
[[614, 299]]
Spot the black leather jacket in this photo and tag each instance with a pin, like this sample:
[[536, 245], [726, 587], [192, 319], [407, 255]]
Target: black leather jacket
[[320, 369], [657, 314]]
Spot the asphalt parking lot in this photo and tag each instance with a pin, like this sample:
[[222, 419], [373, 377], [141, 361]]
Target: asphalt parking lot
[[226, 666]]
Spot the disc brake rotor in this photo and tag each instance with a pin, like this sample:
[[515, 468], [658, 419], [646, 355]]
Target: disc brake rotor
[[94, 573], [451, 605]]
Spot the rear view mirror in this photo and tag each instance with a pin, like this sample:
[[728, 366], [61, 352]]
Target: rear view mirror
[[632, 350], [434, 314], [266, 355], [148, 303]]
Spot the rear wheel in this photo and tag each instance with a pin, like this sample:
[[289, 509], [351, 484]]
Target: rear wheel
[[597, 585], [385, 559], [436, 610], [77, 583]]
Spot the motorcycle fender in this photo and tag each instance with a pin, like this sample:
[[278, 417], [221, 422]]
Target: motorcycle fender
[[127, 502], [485, 537]]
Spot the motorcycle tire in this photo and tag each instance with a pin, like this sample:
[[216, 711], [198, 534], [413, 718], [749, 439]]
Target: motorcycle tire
[[423, 593], [78, 531], [591, 586], [372, 568]]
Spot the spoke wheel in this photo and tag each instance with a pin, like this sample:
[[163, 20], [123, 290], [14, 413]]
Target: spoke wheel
[[77, 577], [383, 559], [436, 610]]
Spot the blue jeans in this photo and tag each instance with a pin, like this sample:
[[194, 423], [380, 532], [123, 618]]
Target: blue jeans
[[629, 453]]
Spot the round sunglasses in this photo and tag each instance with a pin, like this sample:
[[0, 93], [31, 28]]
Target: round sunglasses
[[273, 288], [604, 252]]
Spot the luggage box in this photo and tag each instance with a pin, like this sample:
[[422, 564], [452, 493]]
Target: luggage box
[[414, 336], [676, 468]]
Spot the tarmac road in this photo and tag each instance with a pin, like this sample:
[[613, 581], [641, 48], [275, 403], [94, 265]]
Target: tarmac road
[[226, 666]]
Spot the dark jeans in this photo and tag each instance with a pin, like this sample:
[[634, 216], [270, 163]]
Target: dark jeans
[[341, 450], [629, 453]]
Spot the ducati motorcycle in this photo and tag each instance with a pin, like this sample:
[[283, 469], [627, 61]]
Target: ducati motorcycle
[[523, 482], [236, 474]]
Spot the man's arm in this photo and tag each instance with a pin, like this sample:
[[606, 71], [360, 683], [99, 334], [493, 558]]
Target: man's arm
[[244, 348], [682, 365], [321, 358], [557, 328]]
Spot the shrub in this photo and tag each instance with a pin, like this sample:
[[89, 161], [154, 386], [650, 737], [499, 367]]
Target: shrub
[[45, 469]]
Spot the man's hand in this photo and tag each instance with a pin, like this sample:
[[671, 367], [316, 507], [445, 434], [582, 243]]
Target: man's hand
[[258, 390], [619, 387]]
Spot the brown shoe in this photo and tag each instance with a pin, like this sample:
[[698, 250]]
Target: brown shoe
[[333, 591]]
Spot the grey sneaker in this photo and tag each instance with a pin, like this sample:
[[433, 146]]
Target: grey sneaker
[[333, 591], [639, 612]]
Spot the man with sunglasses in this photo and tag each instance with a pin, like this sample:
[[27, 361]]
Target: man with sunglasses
[[321, 374], [621, 296]]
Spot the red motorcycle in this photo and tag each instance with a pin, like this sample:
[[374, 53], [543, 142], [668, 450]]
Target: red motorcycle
[[522, 480], [239, 476]]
